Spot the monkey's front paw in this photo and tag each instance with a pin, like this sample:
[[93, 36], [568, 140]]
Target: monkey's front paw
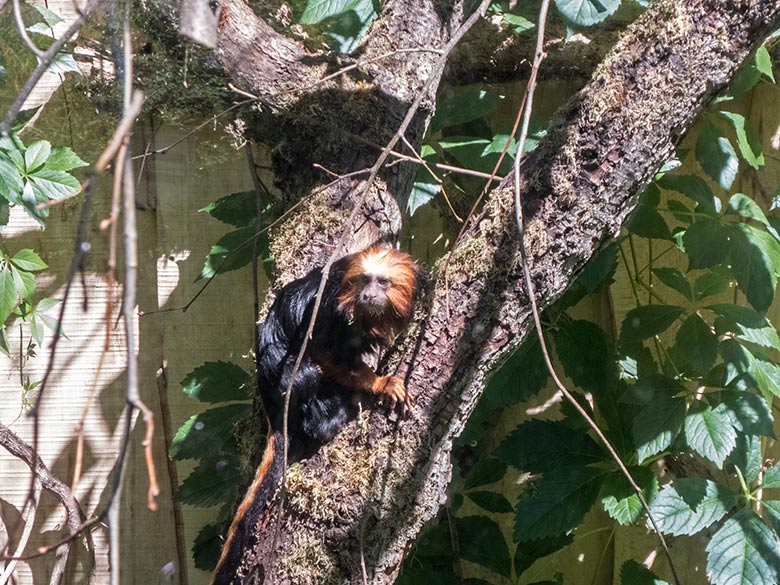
[[394, 387]]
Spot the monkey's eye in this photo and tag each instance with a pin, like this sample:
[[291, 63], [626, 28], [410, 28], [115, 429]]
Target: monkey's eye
[[383, 282]]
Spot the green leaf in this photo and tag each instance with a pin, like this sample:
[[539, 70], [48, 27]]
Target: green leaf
[[711, 283], [218, 382], [527, 553], [538, 446], [28, 260], [231, 252], [49, 17], [207, 547], [706, 243], [599, 270], [517, 22], [35, 155], [647, 321], [581, 13], [470, 152], [657, 426], [764, 62], [748, 141], [764, 374], [750, 412], [716, 156], [695, 348], [744, 206], [318, 10], [490, 501], [691, 504], [748, 324], [675, 280], [582, 349], [8, 293], [557, 502], [710, 432], [522, 376], [49, 184], [208, 432], [466, 104], [694, 187], [237, 209], [772, 477], [63, 63], [24, 283], [772, 508], [473, 533], [747, 456], [755, 261], [63, 159], [422, 193], [619, 498], [744, 551], [634, 573], [10, 180], [486, 471], [215, 480], [650, 388]]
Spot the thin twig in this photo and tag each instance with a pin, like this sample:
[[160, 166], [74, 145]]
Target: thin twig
[[538, 57]]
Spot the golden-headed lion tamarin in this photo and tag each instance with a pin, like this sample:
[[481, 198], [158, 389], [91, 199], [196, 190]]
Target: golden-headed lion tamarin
[[368, 298]]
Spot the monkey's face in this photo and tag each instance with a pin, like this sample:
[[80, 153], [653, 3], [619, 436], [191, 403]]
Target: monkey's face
[[372, 293]]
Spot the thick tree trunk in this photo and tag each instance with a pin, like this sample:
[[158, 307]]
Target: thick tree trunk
[[358, 504]]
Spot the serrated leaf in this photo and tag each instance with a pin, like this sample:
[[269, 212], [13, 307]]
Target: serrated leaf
[[527, 553], [49, 17], [24, 282], [36, 330], [694, 187], [207, 547], [10, 181], [231, 252], [675, 280], [473, 533], [695, 348], [755, 261], [620, 500], [750, 412], [50, 184], [691, 504], [772, 477], [747, 456], [28, 260], [207, 432], [466, 104], [710, 432], [523, 375], [8, 293], [711, 283], [318, 10], [237, 209], [422, 194], [215, 480], [772, 508], [650, 388], [35, 155], [217, 382], [764, 374], [486, 471], [743, 552], [716, 156], [634, 573], [64, 159], [582, 349], [744, 206], [657, 426], [748, 324], [490, 501], [748, 141], [599, 270], [707, 243], [557, 502], [647, 321], [645, 221], [764, 62], [537, 446], [63, 63], [582, 13]]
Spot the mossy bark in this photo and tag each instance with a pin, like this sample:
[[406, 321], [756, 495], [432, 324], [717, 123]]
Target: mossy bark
[[355, 508]]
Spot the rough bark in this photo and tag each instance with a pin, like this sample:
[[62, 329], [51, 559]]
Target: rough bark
[[360, 502]]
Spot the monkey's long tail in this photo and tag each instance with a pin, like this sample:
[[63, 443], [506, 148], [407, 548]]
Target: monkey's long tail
[[241, 536]]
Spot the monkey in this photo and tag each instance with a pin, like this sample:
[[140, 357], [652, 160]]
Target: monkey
[[368, 299]]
